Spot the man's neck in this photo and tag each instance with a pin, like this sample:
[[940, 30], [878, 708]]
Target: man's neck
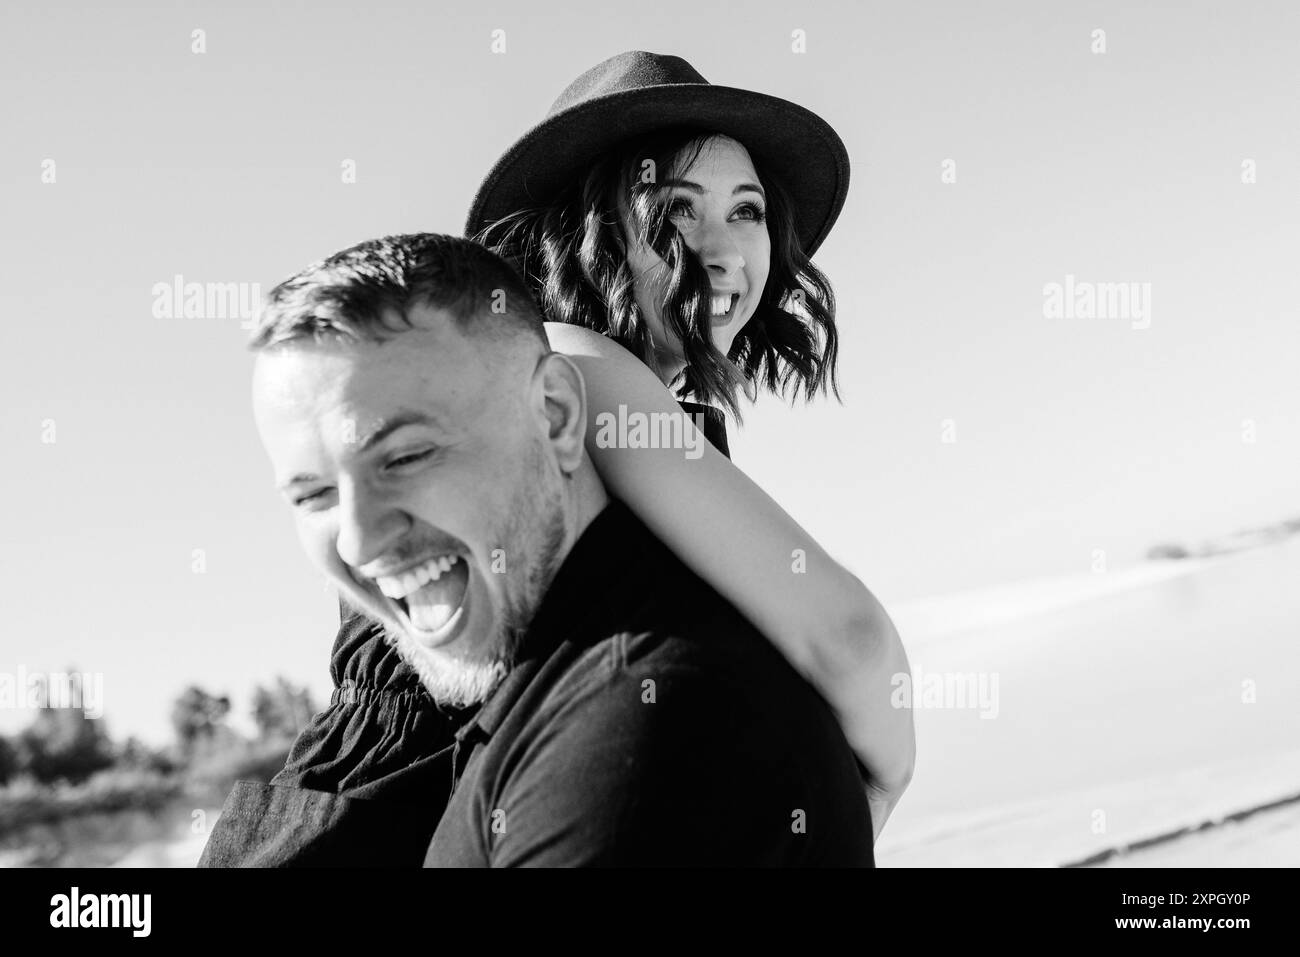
[[587, 499]]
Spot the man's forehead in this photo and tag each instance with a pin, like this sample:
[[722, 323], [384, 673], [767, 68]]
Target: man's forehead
[[373, 379], [314, 405]]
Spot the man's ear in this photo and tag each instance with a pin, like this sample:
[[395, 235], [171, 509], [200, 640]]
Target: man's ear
[[564, 397]]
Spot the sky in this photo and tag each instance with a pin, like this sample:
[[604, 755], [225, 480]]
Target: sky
[[981, 439]]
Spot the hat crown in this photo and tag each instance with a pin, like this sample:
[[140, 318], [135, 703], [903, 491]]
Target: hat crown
[[633, 70]]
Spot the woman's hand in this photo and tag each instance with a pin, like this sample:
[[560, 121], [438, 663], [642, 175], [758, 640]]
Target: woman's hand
[[881, 803]]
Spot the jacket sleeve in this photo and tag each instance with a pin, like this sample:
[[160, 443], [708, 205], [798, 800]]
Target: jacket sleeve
[[379, 719], [365, 780]]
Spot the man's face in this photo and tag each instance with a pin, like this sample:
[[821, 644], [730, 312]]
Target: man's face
[[422, 483]]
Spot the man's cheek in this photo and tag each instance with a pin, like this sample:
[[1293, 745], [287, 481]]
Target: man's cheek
[[317, 541]]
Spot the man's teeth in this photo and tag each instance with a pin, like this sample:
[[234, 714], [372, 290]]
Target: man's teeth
[[399, 586]]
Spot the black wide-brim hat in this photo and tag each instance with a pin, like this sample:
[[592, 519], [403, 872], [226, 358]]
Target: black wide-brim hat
[[636, 93]]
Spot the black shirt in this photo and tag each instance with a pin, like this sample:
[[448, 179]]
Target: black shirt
[[648, 723]]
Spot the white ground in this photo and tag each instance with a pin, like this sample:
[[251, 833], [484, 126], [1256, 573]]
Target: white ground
[[1155, 699]]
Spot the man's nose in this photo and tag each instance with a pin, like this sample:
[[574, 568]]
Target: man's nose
[[717, 249], [369, 526]]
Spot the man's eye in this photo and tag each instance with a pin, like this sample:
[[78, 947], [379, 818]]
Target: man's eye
[[316, 497], [409, 459]]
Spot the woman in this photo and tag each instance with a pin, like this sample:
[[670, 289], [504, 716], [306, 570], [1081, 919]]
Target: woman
[[675, 228], [666, 226]]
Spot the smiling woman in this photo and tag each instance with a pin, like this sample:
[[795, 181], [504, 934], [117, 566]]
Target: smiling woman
[[676, 245], [666, 226]]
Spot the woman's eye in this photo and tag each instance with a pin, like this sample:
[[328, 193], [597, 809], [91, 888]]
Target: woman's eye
[[752, 212], [679, 207]]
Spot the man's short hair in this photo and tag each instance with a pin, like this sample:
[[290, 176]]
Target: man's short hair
[[363, 293]]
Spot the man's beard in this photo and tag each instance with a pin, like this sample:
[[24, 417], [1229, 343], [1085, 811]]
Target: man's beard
[[449, 681], [536, 519]]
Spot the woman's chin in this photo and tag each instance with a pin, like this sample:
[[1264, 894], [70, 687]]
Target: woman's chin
[[724, 339]]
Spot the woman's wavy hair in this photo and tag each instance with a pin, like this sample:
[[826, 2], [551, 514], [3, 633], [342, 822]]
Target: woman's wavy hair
[[572, 254]]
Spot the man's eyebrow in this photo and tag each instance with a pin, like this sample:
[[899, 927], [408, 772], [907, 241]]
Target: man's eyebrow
[[301, 477], [697, 188], [371, 439], [391, 425]]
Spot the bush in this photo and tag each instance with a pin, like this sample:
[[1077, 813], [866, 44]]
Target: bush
[[62, 744], [8, 761], [27, 802], [198, 718], [214, 772], [282, 710], [138, 756]]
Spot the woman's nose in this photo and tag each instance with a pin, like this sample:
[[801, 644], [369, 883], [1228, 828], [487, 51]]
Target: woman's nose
[[717, 249]]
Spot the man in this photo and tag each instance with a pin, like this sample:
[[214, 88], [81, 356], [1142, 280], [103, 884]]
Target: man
[[431, 446]]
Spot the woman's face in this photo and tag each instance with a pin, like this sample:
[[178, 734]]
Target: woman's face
[[720, 210]]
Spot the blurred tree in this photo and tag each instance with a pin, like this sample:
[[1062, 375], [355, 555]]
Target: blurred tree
[[198, 718], [64, 744], [137, 755], [283, 710], [8, 761]]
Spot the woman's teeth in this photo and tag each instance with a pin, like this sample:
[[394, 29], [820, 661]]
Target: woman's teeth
[[399, 586], [720, 305]]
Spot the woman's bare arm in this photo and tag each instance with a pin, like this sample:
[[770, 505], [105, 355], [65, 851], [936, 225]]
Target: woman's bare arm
[[734, 536]]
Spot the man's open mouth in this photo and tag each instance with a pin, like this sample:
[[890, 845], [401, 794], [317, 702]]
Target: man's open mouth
[[722, 308], [429, 598]]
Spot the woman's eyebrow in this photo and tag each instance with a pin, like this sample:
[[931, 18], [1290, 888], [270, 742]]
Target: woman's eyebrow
[[697, 188]]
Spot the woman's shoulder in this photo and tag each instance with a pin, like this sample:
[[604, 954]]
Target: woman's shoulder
[[580, 341]]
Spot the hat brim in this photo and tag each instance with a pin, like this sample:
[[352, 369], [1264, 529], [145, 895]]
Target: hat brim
[[786, 141]]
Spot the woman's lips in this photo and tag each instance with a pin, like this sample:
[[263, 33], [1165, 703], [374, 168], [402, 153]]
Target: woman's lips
[[723, 318]]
